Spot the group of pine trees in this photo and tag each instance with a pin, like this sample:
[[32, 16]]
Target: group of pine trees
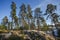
[[27, 20]]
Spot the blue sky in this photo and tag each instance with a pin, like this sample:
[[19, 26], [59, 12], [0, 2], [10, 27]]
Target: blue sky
[[6, 4]]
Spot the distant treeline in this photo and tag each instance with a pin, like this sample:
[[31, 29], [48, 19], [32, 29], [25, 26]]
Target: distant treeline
[[28, 19]]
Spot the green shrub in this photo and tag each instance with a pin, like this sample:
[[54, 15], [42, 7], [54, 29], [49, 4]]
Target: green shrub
[[3, 27]]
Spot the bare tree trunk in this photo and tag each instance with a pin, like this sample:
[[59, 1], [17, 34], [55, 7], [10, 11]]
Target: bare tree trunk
[[29, 23], [12, 25], [38, 23]]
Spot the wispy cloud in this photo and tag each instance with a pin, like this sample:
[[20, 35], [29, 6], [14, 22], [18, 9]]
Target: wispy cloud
[[45, 2], [38, 5]]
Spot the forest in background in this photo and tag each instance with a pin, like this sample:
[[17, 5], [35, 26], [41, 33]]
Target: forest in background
[[30, 20]]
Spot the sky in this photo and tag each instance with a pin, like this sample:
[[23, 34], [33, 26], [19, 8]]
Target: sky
[[5, 6]]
